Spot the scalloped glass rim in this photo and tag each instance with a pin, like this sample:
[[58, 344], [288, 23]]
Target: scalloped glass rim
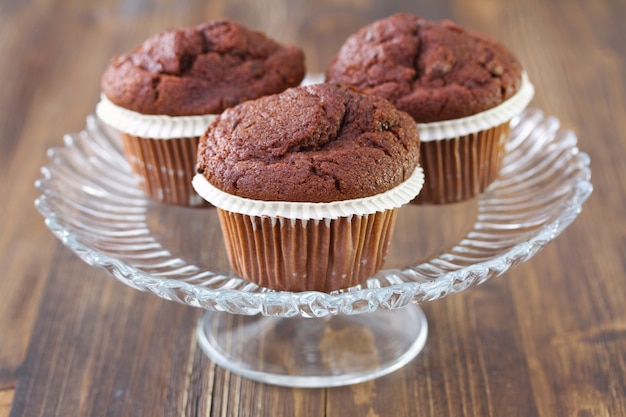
[[544, 145]]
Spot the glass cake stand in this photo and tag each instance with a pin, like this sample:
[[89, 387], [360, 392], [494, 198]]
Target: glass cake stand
[[90, 201]]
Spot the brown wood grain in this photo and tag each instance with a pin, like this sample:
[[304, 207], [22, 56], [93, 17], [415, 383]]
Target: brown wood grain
[[6, 400], [546, 339]]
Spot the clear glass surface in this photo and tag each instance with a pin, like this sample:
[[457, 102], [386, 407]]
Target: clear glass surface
[[90, 201], [312, 353]]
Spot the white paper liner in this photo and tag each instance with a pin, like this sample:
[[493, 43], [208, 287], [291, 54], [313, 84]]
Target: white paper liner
[[393, 198], [312, 79], [484, 120], [150, 125]]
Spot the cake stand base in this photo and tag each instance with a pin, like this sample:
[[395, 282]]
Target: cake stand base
[[314, 352]]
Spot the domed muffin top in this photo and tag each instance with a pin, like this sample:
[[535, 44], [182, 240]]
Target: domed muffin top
[[201, 70], [319, 144], [432, 70]]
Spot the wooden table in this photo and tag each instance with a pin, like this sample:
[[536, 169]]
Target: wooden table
[[547, 339]]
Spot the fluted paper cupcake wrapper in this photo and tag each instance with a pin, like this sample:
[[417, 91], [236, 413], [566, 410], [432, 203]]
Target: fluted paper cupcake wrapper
[[160, 149], [164, 168], [150, 125], [393, 198], [461, 168], [462, 157], [295, 246], [307, 255]]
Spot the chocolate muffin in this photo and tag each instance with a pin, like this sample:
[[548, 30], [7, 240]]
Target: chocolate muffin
[[162, 95], [461, 87], [307, 184]]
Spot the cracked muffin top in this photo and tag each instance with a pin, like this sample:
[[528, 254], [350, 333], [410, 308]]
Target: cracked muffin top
[[201, 70], [432, 70], [319, 144]]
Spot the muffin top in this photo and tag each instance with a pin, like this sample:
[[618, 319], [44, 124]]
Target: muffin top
[[432, 70], [319, 144], [201, 70]]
